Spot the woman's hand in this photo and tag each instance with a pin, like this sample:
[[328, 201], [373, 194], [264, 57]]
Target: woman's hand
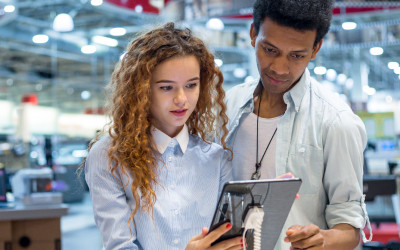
[[205, 239]]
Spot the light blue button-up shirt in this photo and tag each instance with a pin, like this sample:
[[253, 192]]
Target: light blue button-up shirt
[[320, 140], [190, 183]]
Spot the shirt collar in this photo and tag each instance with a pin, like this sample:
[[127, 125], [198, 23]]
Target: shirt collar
[[298, 91], [250, 94], [163, 141]]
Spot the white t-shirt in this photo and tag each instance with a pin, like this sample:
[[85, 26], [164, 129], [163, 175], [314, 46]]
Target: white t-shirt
[[244, 147]]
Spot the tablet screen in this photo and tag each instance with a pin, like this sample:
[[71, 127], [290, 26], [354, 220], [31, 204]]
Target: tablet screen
[[275, 196]]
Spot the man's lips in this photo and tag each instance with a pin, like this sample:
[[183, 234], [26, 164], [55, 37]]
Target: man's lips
[[179, 112], [275, 81]]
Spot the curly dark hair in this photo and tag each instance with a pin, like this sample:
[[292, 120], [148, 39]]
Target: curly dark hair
[[297, 14], [132, 148]]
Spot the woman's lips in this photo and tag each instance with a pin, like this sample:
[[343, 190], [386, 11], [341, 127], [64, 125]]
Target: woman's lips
[[179, 112]]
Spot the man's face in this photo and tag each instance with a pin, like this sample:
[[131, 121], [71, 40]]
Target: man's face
[[282, 54]]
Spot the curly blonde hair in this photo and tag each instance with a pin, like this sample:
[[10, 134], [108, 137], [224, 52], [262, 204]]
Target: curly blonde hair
[[132, 148]]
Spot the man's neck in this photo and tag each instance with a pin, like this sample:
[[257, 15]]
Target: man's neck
[[272, 105]]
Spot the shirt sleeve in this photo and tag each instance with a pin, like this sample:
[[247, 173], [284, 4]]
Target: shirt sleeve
[[226, 170], [110, 206], [343, 158]]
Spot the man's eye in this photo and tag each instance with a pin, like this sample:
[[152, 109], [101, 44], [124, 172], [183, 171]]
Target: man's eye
[[269, 50], [298, 56]]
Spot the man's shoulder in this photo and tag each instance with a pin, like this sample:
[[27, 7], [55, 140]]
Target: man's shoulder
[[329, 99], [239, 88], [241, 93]]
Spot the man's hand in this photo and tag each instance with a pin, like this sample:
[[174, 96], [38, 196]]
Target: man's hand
[[305, 237], [205, 239], [341, 236]]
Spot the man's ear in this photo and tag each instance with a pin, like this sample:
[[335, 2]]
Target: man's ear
[[253, 35], [316, 48]]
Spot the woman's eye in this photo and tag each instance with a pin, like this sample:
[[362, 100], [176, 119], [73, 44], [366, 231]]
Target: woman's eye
[[166, 88], [191, 85]]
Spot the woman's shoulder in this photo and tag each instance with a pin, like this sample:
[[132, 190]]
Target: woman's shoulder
[[206, 147], [100, 147]]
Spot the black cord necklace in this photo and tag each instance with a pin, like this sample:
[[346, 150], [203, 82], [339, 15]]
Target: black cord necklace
[[256, 175]]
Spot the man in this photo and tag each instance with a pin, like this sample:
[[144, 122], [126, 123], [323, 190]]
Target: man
[[285, 122]]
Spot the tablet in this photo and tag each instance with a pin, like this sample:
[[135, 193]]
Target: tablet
[[274, 196]]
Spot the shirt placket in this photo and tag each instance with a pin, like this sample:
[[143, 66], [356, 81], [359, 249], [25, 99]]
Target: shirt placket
[[173, 161]]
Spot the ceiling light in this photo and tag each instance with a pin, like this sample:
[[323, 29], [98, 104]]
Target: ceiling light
[[239, 72], [349, 83], [63, 23], [349, 25], [376, 51], [397, 71], [85, 95], [40, 38], [393, 65], [320, 70], [117, 31], [105, 41], [39, 87], [9, 82], [218, 62], [9, 8], [88, 49], [331, 75], [388, 99], [368, 90], [341, 79], [139, 8], [215, 24], [96, 2]]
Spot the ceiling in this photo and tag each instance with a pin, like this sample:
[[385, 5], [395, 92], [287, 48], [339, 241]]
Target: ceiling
[[57, 71]]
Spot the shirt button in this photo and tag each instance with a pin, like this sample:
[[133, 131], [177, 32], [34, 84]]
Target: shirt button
[[170, 158], [176, 212], [176, 241], [172, 186], [171, 143]]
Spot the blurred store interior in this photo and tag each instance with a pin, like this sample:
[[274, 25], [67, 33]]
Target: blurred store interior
[[56, 56]]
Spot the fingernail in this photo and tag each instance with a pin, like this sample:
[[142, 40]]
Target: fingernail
[[297, 196], [286, 239], [229, 225], [241, 241]]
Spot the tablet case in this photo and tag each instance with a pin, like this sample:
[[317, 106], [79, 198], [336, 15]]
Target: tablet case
[[276, 197]]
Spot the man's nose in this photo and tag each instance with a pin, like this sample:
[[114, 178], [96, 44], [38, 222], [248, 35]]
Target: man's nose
[[280, 65]]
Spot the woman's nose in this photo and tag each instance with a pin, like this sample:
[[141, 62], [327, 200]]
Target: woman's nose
[[180, 97]]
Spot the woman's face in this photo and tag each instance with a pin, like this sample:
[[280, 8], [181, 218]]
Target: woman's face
[[175, 88]]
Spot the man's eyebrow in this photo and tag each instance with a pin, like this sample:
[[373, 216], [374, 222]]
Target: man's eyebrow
[[296, 51]]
